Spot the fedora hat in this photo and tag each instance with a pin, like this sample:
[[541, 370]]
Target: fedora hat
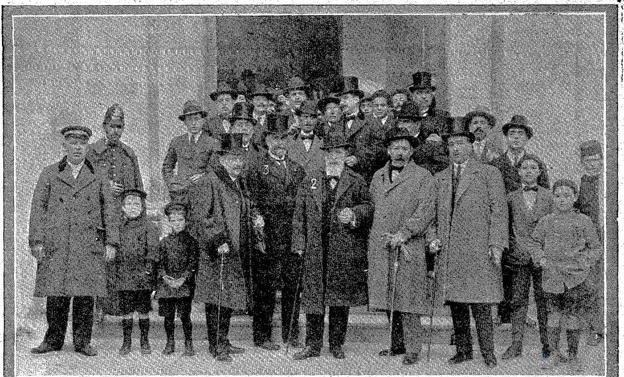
[[518, 121], [468, 134], [232, 144], [192, 107], [322, 104], [261, 90], [81, 132], [244, 111], [478, 112], [350, 85], [114, 115], [307, 107], [223, 88], [335, 140], [296, 83], [421, 80], [409, 111], [399, 133]]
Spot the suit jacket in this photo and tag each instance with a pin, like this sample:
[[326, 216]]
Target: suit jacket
[[511, 177], [467, 228], [214, 127], [189, 159], [522, 222], [311, 160]]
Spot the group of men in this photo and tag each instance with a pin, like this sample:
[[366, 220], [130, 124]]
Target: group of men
[[346, 201]]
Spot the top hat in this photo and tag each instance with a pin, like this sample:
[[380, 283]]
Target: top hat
[[590, 148], [114, 115], [350, 86], [192, 107], [296, 83], [136, 192], [518, 121], [307, 107], [261, 90], [244, 111], [322, 104], [409, 111], [276, 125], [81, 132], [335, 140], [478, 112], [421, 80], [175, 206], [398, 133], [223, 88], [467, 134], [232, 144]]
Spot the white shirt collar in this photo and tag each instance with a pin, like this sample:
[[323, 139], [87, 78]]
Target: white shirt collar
[[275, 157], [75, 167], [191, 136]]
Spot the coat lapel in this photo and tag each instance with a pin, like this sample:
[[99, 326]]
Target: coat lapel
[[407, 172], [85, 177], [317, 187], [466, 179], [355, 128], [344, 183]]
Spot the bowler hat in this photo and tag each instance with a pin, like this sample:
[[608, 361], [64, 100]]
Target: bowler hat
[[478, 112], [350, 86], [398, 133], [307, 107], [322, 104], [335, 140], [76, 131], [244, 111], [261, 90], [590, 148], [136, 192], [518, 121], [175, 206], [408, 111], [223, 88], [467, 134], [192, 107], [114, 115], [421, 80], [296, 83], [231, 144]]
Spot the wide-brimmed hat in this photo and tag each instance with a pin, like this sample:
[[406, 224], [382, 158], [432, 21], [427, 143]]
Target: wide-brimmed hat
[[322, 104], [136, 192], [478, 112], [590, 148], [244, 111], [192, 107], [518, 121], [468, 134], [114, 115], [409, 111], [421, 80], [296, 83], [399, 133], [231, 144], [76, 131], [223, 88], [261, 90], [307, 107], [335, 140], [350, 85]]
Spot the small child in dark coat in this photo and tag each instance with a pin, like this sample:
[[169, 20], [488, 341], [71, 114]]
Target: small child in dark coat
[[132, 268], [176, 264]]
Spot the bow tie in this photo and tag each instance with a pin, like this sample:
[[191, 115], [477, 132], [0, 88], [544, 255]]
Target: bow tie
[[396, 168], [306, 137], [532, 188], [350, 117]]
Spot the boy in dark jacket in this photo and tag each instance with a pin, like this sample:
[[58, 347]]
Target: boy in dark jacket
[[132, 267], [176, 264]]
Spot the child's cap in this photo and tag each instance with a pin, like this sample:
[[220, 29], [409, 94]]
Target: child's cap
[[590, 148], [565, 183], [135, 192], [175, 206]]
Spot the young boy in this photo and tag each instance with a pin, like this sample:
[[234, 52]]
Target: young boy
[[176, 264], [133, 268], [566, 247], [527, 206]]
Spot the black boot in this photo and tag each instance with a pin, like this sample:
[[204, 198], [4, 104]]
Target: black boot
[[144, 325], [169, 329], [126, 325], [573, 337], [187, 327]]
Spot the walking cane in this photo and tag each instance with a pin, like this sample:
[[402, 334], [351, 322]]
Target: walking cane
[[433, 287], [395, 270], [294, 309], [220, 295]]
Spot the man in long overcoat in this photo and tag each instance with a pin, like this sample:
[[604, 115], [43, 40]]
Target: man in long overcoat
[[472, 229], [402, 193], [305, 146], [72, 218], [330, 226], [220, 219]]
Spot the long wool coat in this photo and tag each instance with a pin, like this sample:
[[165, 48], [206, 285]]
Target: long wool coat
[[311, 160], [479, 220], [404, 205], [217, 216], [346, 252], [73, 219]]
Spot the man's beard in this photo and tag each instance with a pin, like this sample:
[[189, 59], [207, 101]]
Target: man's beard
[[334, 169]]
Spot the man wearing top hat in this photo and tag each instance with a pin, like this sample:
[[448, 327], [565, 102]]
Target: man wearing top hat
[[304, 147], [471, 231], [331, 116], [224, 98], [402, 194], [243, 122], [480, 122], [74, 230], [296, 92], [330, 227], [225, 222], [189, 152], [435, 122], [273, 186]]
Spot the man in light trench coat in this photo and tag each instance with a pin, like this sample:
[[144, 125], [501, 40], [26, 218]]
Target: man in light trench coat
[[402, 194], [72, 218]]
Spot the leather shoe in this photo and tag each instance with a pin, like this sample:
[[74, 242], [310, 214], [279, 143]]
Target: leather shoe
[[338, 353], [306, 353], [233, 349], [44, 348], [410, 358], [294, 343], [87, 351], [269, 346], [169, 349], [490, 361], [391, 352], [515, 350], [224, 356], [460, 357]]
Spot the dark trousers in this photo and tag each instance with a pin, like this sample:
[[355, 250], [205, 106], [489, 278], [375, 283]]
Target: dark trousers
[[57, 313], [315, 325], [290, 298], [215, 320], [407, 332], [504, 308], [264, 306], [482, 313], [521, 282]]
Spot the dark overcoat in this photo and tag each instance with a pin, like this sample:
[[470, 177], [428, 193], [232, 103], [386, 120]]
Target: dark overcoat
[[214, 126], [177, 256], [511, 176], [311, 160], [132, 267], [128, 167], [345, 282], [73, 219]]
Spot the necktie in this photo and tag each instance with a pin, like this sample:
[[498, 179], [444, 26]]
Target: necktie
[[456, 177], [333, 181]]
